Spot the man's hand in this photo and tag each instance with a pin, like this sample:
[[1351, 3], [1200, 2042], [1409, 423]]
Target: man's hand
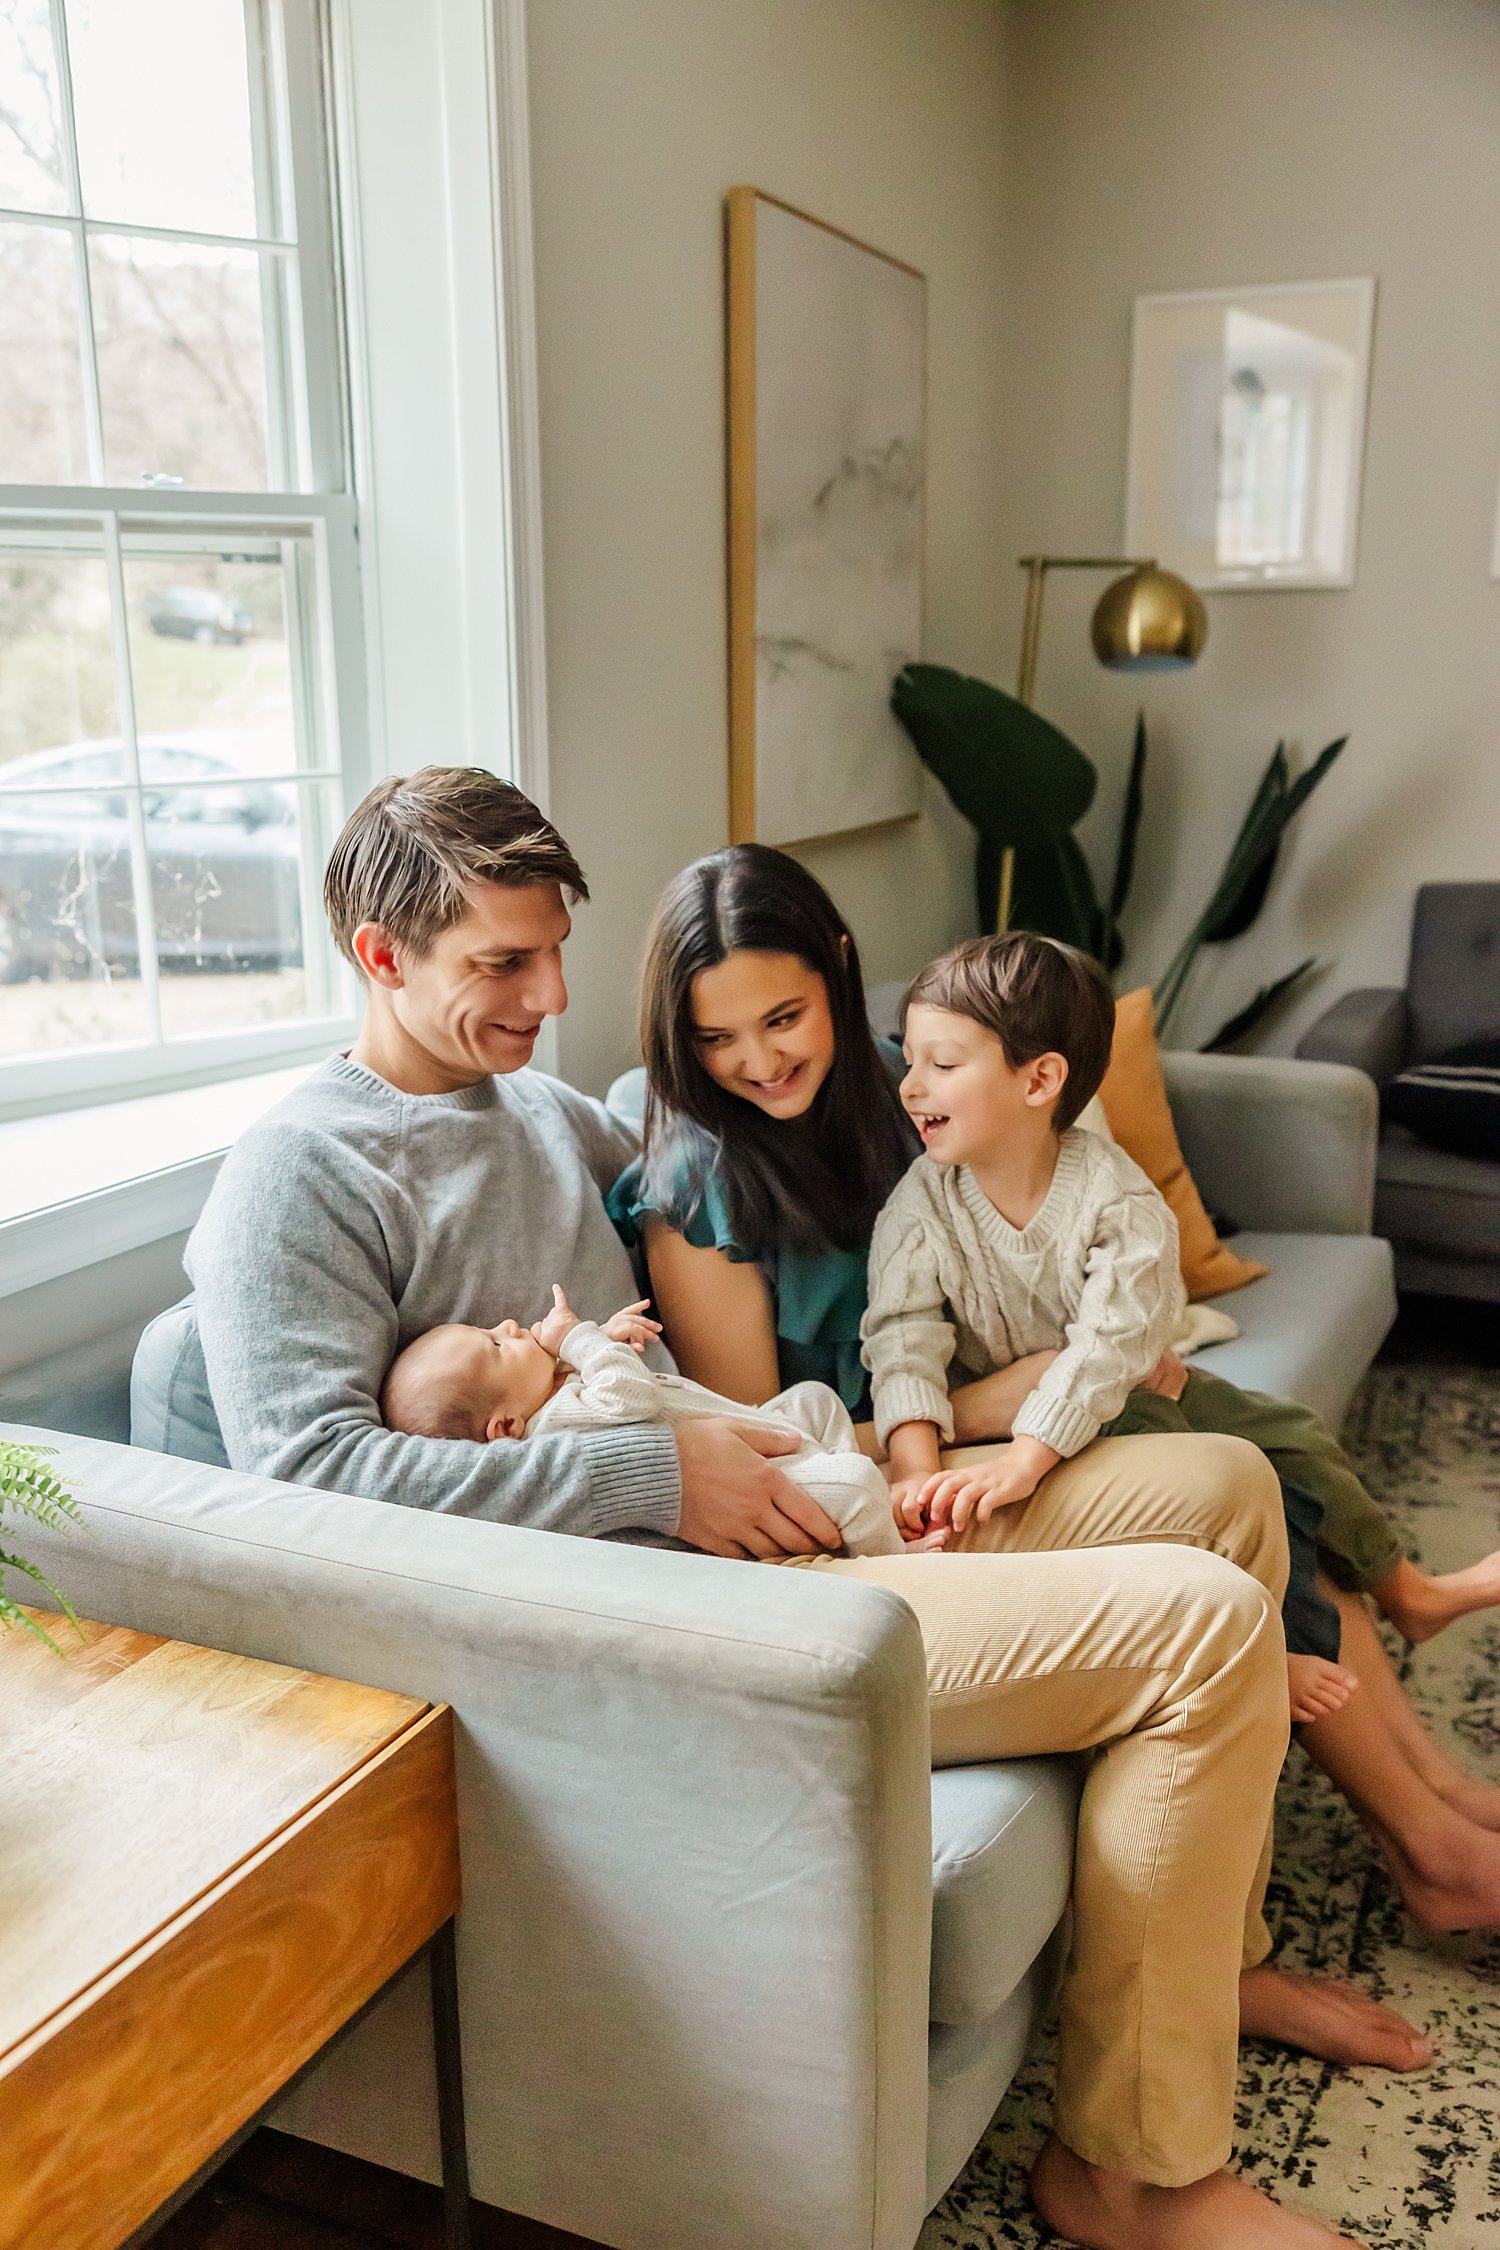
[[736, 1502], [1168, 1378], [554, 1326], [954, 1495], [632, 1327]]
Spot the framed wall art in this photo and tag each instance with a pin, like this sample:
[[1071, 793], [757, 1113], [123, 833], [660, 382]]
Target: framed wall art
[[1247, 421], [826, 445]]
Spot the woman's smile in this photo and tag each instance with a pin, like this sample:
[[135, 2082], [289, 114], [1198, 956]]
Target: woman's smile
[[763, 1030]]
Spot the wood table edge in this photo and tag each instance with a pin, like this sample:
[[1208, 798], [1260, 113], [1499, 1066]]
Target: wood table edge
[[166, 1933]]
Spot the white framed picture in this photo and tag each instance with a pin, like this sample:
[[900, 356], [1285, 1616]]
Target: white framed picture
[[1247, 424]]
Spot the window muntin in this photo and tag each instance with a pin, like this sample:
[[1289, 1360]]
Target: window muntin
[[174, 658]]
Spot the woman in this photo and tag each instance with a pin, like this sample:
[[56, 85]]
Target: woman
[[773, 1135]]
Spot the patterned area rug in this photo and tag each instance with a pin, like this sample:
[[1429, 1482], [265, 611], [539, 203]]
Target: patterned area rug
[[1390, 2160]]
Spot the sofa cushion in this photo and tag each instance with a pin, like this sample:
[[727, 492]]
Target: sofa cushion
[[1429, 1199], [170, 1407], [1309, 1330], [1452, 1102], [1454, 974], [1002, 1865], [1134, 1096]]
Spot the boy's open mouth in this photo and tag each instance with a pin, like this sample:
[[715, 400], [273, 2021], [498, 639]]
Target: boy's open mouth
[[927, 1123]]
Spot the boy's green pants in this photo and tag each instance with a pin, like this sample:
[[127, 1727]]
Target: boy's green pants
[[1358, 1546]]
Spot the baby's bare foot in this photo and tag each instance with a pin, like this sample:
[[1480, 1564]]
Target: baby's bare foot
[[1318, 1688], [1105, 2211]]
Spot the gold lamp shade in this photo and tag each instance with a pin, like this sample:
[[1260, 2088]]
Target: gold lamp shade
[[1149, 621]]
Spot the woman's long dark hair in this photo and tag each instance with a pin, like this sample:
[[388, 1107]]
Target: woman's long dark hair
[[820, 1179]]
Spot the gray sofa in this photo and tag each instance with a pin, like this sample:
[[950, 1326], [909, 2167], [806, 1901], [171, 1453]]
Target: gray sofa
[[736, 1969], [1440, 1211]]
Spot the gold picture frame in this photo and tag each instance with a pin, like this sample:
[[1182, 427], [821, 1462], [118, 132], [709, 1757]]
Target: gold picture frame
[[826, 460]]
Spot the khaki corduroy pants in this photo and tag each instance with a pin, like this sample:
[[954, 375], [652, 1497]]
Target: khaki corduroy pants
[[1130, 1608]]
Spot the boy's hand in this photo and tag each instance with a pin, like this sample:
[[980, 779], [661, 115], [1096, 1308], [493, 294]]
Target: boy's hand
[[550, 1330], [953, 1496], [631, 1326], [1168, 1378]]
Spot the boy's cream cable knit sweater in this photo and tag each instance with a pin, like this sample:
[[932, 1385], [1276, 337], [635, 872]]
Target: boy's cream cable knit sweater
[[1094, 1276]]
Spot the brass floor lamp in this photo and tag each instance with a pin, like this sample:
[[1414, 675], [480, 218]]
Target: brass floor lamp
[[1149, 620]]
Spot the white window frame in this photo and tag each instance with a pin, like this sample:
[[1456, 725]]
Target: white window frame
[[431, 632]]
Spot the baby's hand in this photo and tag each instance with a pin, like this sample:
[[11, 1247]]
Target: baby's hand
[[1011, 1475], [555, 1325], [632, 1327], [909, 1509]]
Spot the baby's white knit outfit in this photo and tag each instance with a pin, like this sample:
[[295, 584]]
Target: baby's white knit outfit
[[609, 1384], [1094, 1276]]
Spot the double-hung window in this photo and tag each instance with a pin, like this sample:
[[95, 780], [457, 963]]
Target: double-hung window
[[181, 664]]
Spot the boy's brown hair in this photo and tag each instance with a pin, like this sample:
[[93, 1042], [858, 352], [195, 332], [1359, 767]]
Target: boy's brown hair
[[410, 850], [1038, 997]]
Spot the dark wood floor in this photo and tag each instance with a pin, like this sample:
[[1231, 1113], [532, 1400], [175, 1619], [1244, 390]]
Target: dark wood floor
[[278, 2193]]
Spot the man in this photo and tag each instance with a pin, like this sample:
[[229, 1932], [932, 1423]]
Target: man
[[428, 1176]]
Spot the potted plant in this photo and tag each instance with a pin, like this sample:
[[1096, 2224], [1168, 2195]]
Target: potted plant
[[29, 1488], [1023, 786]]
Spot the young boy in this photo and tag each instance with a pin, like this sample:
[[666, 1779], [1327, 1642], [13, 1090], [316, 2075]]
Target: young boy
[[563, 1373], [1017, 1233]]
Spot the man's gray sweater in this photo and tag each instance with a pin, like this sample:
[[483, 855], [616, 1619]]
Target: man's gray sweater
[[351, 1218]]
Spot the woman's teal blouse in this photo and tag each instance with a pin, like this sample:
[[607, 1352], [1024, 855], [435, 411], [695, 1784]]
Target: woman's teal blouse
[[819, 1297]]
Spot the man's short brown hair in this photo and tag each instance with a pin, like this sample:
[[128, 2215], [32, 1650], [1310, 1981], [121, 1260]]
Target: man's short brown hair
[[1038, 996], [411, 850]]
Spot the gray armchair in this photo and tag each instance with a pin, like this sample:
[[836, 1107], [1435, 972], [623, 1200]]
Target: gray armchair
[[1441, 1211]]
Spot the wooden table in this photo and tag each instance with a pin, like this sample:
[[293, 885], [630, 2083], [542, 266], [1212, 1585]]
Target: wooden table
[[208, 1867]]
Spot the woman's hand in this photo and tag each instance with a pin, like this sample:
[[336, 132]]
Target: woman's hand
[[953, 1496], [631, 1326]]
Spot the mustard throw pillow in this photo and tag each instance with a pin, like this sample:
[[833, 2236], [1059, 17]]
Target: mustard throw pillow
[[1135, 1102]]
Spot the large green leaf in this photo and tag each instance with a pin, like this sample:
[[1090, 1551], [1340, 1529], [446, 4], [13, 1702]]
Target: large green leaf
[[1054, 895], [1019, 780]]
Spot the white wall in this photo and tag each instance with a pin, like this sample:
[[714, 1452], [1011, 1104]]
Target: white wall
[[888, 119], [1192, 143]]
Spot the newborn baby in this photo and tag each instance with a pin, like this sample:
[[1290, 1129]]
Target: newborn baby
[[564, 1373]]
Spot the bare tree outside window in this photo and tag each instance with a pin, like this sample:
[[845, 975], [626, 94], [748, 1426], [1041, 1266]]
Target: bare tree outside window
[[169, 567]]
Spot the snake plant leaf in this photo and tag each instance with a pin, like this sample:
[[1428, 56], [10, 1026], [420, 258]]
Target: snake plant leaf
[[1252, 861], [1017, 778], [1130, 823], [1239, 1026]]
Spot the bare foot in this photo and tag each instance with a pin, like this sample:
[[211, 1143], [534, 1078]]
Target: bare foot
[[1322, 2016], [1419, 1606], [1105, 2211], [1457, 1889], [1317, 1688]]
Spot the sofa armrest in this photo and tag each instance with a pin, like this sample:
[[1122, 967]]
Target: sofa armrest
[[1366, 1030], [1284, 1147], [695, 1824]]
